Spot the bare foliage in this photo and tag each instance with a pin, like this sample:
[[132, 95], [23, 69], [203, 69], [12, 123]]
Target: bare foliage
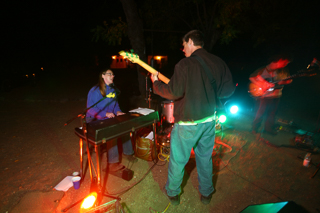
[[111, 33]]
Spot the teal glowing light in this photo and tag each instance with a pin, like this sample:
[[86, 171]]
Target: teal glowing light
[[234, 109], [222, 118]]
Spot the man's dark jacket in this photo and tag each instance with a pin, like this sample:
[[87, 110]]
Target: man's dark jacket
[[190, 88]]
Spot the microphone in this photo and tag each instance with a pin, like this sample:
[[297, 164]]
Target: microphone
[[115, 89]]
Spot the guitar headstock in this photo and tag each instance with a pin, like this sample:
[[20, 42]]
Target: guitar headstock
[[131, 56]]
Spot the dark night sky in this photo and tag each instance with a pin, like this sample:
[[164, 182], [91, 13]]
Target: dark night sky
[[43, 32], [39, 32]]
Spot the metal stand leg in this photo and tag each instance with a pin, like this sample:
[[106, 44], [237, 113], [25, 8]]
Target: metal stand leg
[[81, 157], [98, 166], [154, 128], [89, 160]]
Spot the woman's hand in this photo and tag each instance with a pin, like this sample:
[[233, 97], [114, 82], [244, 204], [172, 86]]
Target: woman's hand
[[120, 113], [110, 115]]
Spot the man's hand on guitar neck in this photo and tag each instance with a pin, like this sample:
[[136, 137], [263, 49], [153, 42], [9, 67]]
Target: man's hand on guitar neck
[[154, 77]]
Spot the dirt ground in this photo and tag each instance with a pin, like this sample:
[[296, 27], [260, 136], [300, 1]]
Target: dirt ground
[[38, 151]]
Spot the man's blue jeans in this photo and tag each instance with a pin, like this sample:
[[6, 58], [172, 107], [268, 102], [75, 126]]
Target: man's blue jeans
[[113, 152], [201, 138]]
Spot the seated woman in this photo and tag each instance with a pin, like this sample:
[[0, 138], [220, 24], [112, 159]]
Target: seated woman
[[108, 108]]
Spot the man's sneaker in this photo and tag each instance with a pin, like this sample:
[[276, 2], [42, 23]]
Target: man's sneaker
[[206, 200], [175, 200]]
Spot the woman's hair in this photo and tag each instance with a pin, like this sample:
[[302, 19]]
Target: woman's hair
[[101, 83]]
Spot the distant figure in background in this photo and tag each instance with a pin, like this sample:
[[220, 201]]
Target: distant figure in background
[[264, 78], [108, 108], [195, 99]]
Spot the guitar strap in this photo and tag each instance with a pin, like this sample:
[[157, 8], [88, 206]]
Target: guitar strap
[[211, 78]]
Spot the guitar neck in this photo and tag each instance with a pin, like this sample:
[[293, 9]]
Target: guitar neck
[[290, 77], [134, 58], [308, 72], [153, 71]]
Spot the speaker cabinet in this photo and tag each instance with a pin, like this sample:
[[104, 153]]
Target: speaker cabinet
[[280, 207]]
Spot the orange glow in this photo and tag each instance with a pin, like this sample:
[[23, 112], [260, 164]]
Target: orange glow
[[27, 76], [34, 74], [158, 57], [41, 68], [114, 57], [89, 201]]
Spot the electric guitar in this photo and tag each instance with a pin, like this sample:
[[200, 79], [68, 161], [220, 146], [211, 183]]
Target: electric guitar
[[134, 58], [256, 91]]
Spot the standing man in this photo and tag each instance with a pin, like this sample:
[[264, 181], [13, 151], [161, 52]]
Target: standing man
[[264, 79], [194, 112]]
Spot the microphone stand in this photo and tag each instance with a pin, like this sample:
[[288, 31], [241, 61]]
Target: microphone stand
[[94, 185], [84, 129], [149, 98], [149, 90], [85, 111]]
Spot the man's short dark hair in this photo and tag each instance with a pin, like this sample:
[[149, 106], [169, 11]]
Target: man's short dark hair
[[196, 36]]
